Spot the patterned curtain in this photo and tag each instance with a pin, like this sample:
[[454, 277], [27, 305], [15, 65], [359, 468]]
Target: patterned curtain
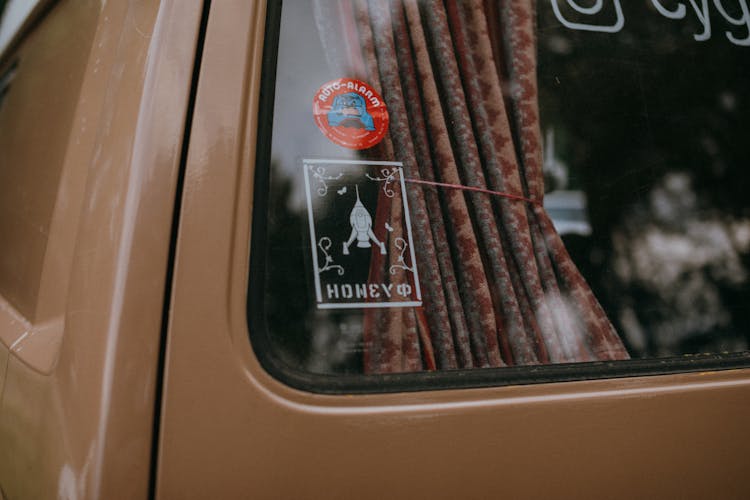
[[499, 288]]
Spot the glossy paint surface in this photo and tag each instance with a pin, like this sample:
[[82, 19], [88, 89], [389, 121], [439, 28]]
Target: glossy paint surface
[[32, 178], [78, 370], [230, 430]]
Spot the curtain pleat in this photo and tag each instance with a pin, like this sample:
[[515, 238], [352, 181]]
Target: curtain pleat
[[499, 288]]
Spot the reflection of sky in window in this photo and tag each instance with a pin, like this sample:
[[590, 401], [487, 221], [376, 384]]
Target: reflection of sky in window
[[301, 70]]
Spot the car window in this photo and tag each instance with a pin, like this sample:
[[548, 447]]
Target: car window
[[39, 86], [455, 186]]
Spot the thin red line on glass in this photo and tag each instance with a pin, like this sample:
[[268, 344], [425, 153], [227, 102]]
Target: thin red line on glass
[[476, 189]]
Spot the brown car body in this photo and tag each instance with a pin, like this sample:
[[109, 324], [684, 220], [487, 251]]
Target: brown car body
[[93, 130]]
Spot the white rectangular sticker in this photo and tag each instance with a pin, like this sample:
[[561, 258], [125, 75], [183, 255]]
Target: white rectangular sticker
[[360, 234]]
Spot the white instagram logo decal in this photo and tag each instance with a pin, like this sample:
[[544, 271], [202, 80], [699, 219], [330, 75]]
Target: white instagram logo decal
[[701, 9], [590, 11]]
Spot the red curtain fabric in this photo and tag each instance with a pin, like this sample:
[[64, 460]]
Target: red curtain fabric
[[499, 288]]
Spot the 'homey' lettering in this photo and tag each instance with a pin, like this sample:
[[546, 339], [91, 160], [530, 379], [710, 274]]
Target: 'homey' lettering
[[367, 291]]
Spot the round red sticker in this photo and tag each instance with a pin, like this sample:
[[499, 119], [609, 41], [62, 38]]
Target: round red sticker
[[350, 113]]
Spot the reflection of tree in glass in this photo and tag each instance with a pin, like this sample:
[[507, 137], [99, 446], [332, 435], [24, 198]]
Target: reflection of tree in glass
[[678, 263], [653, 126]]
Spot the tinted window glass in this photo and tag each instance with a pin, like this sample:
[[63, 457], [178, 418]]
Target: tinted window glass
[[647, 127], [440, 171]]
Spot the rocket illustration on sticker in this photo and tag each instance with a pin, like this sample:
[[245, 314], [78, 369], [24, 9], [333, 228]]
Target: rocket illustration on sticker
[[361, 222], [352, 234]]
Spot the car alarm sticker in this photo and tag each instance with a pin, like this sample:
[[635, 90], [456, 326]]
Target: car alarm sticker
[[350, 113], [360, 235]]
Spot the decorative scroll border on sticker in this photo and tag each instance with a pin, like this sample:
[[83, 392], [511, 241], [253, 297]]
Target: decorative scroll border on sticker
[[331, 252]]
